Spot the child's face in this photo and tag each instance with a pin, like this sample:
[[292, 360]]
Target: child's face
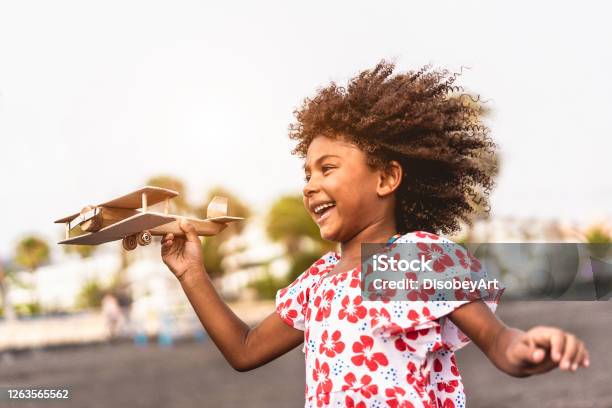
[[336, 172]]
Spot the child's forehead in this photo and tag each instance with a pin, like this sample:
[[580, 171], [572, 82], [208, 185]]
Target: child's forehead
[[323, 147]]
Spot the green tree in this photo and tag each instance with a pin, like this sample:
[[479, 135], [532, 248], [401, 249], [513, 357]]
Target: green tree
[[211, 246], [32, 252], [8, 311], [179, 203], [598, 238], [288, 222]]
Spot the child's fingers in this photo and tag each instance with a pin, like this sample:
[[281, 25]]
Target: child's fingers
[[557, 344], [578, 357], [569, 351], [527, 351], [535, 354], [189, 230]]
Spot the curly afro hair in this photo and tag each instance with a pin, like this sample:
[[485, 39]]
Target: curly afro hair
[[419, 119]]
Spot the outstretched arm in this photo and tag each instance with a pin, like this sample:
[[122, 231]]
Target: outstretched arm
[[515, 352], [243, 347]]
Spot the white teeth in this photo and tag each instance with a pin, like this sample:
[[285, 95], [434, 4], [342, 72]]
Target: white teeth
[[321, 207]]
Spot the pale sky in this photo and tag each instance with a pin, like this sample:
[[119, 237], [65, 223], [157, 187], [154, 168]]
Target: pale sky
[[96, 97]]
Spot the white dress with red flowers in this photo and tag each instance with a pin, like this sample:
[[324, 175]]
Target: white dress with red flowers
[[362, 353]]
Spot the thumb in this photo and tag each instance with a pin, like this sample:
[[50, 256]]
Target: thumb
[[189, 230]]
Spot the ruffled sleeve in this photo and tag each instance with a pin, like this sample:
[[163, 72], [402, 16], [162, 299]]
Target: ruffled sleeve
[[424, 309], [292, 301]]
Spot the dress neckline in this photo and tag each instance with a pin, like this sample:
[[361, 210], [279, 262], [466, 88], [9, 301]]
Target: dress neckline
[[337, 256]]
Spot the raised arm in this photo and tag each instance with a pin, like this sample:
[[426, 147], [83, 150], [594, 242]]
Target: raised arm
[[243, 347], [515, 352]]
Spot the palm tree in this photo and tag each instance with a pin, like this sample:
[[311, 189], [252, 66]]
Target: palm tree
[[31, 252]]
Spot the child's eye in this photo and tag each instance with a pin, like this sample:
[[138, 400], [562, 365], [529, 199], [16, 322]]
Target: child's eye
[[325, 168], [307, 178]]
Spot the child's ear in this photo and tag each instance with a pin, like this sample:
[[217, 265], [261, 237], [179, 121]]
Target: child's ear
[[389, 179]]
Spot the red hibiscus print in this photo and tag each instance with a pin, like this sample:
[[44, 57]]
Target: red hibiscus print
[[323, 304], [468, 262], [453, 366], [467, 293], [441, 260], [365, 386], [416, 294], [383, 318], [448, 386], [355, 278], [437, 366], [397, 398], [384, 295], [350, 403], [416, 318], [286, 313], [448, 403], [423, 234], [403, 345], [352, 310], [324, 385], [364, 354], [432, 400], [322, 399], [332, 346]]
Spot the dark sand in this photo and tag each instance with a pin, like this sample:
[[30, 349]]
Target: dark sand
[[194, 374]]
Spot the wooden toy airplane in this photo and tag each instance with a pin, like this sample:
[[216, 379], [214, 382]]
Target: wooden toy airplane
[[127, 218]]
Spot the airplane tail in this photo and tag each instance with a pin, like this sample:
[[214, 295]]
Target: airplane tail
[[217, 207]]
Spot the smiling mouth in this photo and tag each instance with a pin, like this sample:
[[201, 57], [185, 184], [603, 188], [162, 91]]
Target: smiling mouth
[[324, 214]]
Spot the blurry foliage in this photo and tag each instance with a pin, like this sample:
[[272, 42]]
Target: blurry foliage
[[288, 222], [301, 262], [31, 252], [28, 309], [598, 235], [211, 246], [213, 256], [179, 203], [601, 237], [267, 285], [91, 295], [84, 251], [235, 208]]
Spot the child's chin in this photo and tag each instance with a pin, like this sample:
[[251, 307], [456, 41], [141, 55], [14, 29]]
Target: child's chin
[[328, 234]]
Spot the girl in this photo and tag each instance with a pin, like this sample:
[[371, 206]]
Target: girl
[[391, 158]]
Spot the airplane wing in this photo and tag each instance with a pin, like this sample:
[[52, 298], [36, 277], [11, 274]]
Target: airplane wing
[[121, 229], [132, 200], [224, 220]]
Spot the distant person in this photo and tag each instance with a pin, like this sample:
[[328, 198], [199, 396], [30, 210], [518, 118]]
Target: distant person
[[390, 158], [113, 315]]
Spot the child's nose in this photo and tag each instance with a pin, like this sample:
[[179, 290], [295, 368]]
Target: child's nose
[[309, 188]]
